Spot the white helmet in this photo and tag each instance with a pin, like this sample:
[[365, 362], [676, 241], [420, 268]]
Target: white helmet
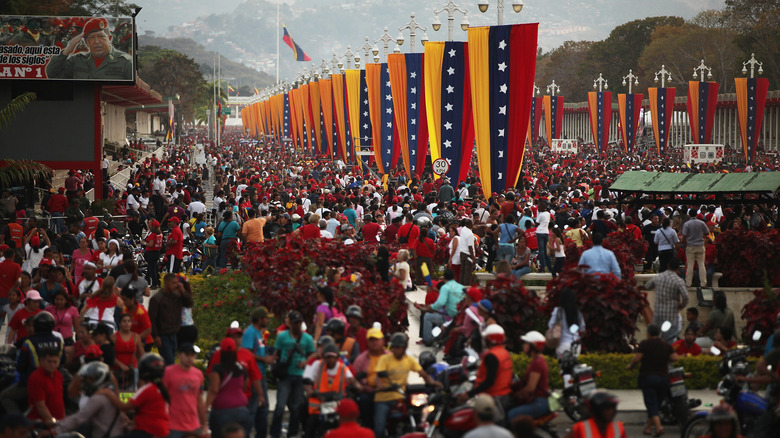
[[495, 334], [536, 339]]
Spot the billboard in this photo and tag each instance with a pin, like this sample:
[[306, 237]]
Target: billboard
[[67, 48]]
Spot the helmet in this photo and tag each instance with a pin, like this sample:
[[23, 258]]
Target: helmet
[[495, 334], [94, 376], [43, 322], [423, 221], [354, 312], [325, 340], [427, 358], [399, 340], [335, 326], [599, 400], [536, 339], [151, 367], [722, 412]]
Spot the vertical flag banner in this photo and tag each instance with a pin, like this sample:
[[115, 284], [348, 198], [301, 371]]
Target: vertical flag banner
[[502, 63], [316, 118], [380, 107], [328, 121], [702, 100], [448, 106], [297, 118], [357, 94], [629, 110], [751, 98], [306, 109], [553, 115], [600, 108], [350, 150], [340, 114], [365, 121], [535, 121], [286, 121], [297, 51], [661, 109], [408, 89]]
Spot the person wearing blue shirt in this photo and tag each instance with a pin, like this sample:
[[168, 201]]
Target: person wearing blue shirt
[[506, 242], [351, 214], [229, 229], [254, 340], [450, 295], [598, 259]]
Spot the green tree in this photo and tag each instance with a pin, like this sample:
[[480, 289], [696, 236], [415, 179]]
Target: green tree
[[562, 64], [620, 52], [757, 24], [171, 73]]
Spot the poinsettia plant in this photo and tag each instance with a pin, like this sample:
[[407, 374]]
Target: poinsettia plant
[[516, 309], [749, 258], [760, 314], [609, 305], [287, 272], [628, 251]]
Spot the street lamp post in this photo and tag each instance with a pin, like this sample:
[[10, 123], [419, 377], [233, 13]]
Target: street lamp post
[[536, 90], [664, 74], [366, 48], [517, 6], [631, 77], [412, 26], [349, 55], [324, 68], [553, 88], [752, 62], [701, 69], [335, 63], [600, 83], [451, 9], [386, 39]]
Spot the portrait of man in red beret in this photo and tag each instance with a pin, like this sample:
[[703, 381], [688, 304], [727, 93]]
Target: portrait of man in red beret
[[102, 61]]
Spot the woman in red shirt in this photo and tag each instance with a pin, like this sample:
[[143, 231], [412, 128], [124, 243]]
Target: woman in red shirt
[[425, 250], [152, 247]]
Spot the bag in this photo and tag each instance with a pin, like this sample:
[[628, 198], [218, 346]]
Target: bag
[[218, 234], [551, 247], [209, 252], [281, 369], [553, 335], [405, 239]]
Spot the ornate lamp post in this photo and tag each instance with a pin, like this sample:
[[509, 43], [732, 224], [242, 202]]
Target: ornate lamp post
[[412, 26], [600, 83], [517, 6], [752, 62], [536, 90], [367, 48], [553, 88], [664, 74], [451, 8], [349, 55], [701, 69], [386, 39], [631, 77], [324, 68]]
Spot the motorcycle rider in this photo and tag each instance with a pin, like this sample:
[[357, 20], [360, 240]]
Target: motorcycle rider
[[723, 422], [348, 347], [494, 376], [392, 371], [602, 424], [485, 410], [28, 360], [349, 413], [102, 417], [325, 378], [533, 393], [366, 363]]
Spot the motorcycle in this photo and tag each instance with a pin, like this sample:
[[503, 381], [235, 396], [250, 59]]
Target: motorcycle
[[408, 414], [675, 406], [580, 383], [748, 405]]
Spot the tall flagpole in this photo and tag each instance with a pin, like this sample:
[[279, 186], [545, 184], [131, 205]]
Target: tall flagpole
[[214, 94], [277, 43], [219, 96]]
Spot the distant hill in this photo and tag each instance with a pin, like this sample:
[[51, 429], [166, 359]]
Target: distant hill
[[239, 74]]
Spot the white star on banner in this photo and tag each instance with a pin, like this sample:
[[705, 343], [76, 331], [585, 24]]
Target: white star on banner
[[500, 134], [502, 45], [448, 107], [365, 126], [502, 66], [448, 126], [502, 110], [450, 71], [447, 144], [414, 121], [365, 113], [413, 138], [413, 90], [414, 105], [388, 97], [503, 88], [413, 74], [500, 154], [388, 150], [389, 111], [450, 89], [452, 53], [389, 137], [365, 102], [365, 90], [389, 124], [387, 84], [500, 175]]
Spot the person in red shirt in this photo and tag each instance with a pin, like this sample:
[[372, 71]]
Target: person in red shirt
[[687, 346], [371, 230], [44, 389], [410, 233], [425, 251], [32, 306], [9, 275], [142, 325], [247, 360], [348, 413], [152, 248], [311, 230], [56, 207], [174, 246]]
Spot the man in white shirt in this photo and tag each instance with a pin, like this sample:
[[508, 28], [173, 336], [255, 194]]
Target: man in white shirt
[[543, 236], [467, 252], [196, 207], [132, 201]]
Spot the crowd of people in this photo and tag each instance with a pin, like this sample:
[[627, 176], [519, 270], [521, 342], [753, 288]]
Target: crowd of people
[[76, 287]]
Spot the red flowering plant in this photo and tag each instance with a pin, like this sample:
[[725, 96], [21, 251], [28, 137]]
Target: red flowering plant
[[749, 258], [609, 305], [516, 309], [628, 250], [759, 315], [287, 272]]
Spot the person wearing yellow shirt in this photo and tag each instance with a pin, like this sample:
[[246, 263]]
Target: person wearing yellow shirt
[[365, 364], [393, 371]]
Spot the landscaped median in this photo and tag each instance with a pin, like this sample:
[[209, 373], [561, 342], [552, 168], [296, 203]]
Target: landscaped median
[[703, 370]]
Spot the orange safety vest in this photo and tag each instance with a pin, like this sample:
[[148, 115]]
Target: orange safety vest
[[327, 385], [502, 384], [346, 347], [90, 226], [17, 234], [588, 429]]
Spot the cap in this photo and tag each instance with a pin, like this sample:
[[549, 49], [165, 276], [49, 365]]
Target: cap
[[33, 294], [174, 219], [474, 293], [154, 223], [61, 190], [484, 405], [188, 348], [295, 316], [296, 217], [228, 344], [348, 409], [330, 350], [374, 333], [90, 265], [45, 262], [93, 352], [95, 25], [232, 331], [486, 305]]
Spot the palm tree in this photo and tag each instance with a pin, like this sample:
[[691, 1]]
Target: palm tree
[[19, 172]]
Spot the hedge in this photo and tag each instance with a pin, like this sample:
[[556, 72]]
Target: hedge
[[703, 369]]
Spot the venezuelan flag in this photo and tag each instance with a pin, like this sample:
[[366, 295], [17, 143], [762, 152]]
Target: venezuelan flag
[[661, 109], [702, 100], [600, 108], [629, 109], [300, 55], [751, 98]]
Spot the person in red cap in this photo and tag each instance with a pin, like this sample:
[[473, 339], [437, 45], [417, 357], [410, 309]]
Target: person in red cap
[[348, 413], [102, 61]]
